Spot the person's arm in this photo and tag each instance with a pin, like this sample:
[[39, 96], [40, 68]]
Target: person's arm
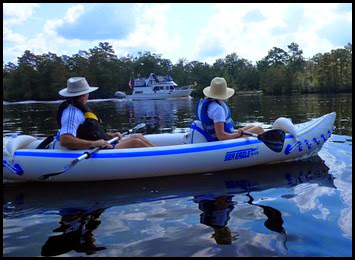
[[72, 142], [216, 112], [72, 117], [222, 135]]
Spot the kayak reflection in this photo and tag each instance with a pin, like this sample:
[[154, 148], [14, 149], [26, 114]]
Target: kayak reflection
[[81, 204], [274, 219]]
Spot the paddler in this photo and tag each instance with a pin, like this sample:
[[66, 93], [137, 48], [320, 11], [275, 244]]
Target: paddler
[[80, 128], [215, 114]]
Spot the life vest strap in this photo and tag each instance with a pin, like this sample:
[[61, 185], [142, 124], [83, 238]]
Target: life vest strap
[[201, 131], [91, 115]]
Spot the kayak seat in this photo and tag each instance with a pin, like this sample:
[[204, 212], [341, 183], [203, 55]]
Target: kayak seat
[[196, 133], [45, 143]]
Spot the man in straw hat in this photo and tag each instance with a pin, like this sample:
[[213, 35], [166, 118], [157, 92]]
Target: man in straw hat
[[215, 114], [80, 128]]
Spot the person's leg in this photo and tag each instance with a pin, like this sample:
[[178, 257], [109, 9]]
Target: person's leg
[[144, 140], [134, 141], [253, 129], [246, 128], [130, 143]]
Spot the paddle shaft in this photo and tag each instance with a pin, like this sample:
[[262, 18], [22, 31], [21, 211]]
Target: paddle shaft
[[250, 134], [88, 154]]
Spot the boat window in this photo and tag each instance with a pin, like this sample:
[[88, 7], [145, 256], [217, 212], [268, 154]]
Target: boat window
[[156, 89], [139, 83], [167, 87], [162, 88], [138, 92], [172, 87]]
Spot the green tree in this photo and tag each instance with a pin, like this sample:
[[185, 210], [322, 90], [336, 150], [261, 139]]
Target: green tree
[[274, 80], [52, 75]]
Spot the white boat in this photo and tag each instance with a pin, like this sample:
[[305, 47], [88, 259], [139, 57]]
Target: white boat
[[174, 155], [157, 87]]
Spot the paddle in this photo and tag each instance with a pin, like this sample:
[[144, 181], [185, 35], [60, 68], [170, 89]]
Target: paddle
[[88, 154], [274, 139]]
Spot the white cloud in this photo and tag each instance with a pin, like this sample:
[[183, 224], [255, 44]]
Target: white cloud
[[44, 42], [250, 30], [73, 13], [16, 13], [252, 40], [151, 34], [9, 35]]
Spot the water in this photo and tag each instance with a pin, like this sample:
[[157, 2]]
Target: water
[[291, 209], [38, 119]]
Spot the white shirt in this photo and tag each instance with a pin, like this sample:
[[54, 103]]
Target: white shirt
[[216, 112], [72, 118]]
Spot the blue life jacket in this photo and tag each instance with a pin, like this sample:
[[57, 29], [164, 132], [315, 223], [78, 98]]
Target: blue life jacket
[[208, 124]]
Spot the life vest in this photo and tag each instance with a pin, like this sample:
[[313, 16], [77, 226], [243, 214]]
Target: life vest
[[208, 124], [91, 129]]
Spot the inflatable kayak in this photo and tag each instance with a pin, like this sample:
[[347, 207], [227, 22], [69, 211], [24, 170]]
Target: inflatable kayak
[[176, 154]]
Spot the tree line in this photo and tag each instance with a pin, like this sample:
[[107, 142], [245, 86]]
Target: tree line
[[40, 77]]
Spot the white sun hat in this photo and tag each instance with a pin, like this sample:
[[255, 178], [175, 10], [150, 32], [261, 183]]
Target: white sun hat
[[76, 86], [218, 89]]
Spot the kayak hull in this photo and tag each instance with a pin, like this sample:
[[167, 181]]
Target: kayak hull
[[172, 157]]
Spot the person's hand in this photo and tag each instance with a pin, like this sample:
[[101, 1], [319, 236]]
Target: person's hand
[[239, 133], [101, 143], [118, 134]]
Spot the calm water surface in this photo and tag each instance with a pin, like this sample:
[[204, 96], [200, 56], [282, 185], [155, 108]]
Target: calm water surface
[[292, 209]]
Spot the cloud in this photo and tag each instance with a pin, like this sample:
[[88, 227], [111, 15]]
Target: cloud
[[99, 22], [212, 49], [16, 13], [251, 30], [203, 32], [339, 32], [151, 32], [253, 16]]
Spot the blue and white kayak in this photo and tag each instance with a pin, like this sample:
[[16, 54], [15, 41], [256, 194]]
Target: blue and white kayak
[[173, 156]]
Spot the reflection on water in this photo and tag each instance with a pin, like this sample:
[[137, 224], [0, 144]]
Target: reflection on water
[[77, 226], [216, 213], [274, 219], [81, 206], [292, 209], [163, 115], [159, 115]]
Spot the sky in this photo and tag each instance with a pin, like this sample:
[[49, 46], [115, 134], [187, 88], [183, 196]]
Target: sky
[[190, 31]]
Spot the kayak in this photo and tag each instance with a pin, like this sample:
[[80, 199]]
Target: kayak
[[174, 155]]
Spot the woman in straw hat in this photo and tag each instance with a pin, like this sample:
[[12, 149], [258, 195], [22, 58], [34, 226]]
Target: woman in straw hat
[[80, 128], [215, 114]]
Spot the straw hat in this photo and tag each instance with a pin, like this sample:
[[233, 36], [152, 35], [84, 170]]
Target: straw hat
[[218, 89], [76, 86]]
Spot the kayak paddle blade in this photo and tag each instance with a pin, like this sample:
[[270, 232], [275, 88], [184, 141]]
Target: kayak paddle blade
[[66, 168]]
